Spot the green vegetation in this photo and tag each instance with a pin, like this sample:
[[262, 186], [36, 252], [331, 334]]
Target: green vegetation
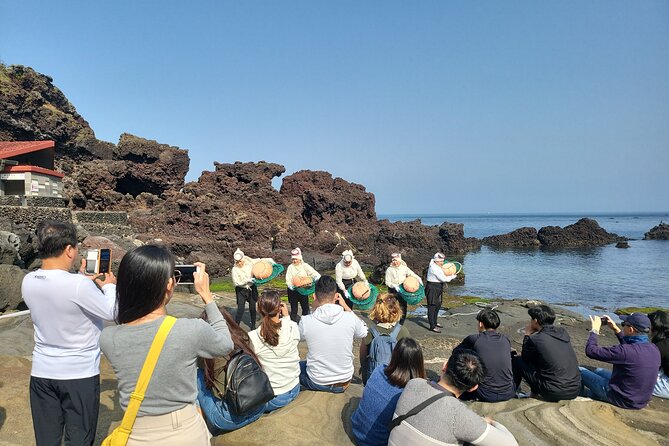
[[630, 310], [458, 301]]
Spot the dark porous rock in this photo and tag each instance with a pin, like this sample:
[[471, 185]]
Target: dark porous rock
[[10, 246], [585, 233], [520, 238], [622, 244], [11, 277], [659, 232]]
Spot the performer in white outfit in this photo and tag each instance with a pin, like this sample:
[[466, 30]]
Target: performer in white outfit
[[298, 268], [396, 274], [245, 287], [434, 289], [346, 272]]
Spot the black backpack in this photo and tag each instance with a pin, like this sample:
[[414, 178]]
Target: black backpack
[[247, 386]]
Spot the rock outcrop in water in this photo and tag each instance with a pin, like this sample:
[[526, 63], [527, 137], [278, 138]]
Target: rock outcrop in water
[[233, 206], [659, 232], [520, 238]]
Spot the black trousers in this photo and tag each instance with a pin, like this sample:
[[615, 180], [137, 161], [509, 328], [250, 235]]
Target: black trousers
[[433, 292], [65, 408], [347, 283], [295, 298], [524, 370], [244, 295]]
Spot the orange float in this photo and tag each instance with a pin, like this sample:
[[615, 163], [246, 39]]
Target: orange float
[[302, 281], [411, 284], [361, 290], [449, 268], [262, 270]]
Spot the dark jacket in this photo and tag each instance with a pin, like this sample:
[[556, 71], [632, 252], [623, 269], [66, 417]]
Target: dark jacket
[[663, 345], [635, 369], [495, 352], [550, 352]]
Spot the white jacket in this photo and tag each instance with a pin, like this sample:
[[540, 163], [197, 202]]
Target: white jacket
[[280, 362], [348, 272], [303, 270], [329, 332], [395, 275], [436, 274], [242, 276]]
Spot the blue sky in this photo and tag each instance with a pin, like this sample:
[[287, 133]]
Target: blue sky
[[435, 106]]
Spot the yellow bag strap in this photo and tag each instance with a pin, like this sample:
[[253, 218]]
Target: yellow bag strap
[[137, 396]]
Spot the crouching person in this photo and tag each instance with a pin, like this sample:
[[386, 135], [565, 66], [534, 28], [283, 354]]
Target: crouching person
[[275, 345], [635, 363], [329, 332], [430, 413]]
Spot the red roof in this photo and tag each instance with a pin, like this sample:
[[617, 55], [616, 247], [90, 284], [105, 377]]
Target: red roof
[[36, 169], [9, 149]]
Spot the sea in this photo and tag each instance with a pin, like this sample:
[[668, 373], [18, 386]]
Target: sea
[[590, 281]]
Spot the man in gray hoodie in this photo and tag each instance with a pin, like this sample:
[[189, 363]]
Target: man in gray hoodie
[[329, 332]]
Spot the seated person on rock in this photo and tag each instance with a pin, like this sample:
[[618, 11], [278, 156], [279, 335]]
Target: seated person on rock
[[494, 349], [275, 345], [211, 384], [635, 361], [329, 332], [659, 335], [385, 316], [548, 362], [430, 413], [375, 411]]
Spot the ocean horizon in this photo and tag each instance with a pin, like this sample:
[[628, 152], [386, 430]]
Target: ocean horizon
[[583, 279]]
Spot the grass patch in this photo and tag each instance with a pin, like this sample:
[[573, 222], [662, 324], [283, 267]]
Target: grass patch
[[630, 310], [458, 301]]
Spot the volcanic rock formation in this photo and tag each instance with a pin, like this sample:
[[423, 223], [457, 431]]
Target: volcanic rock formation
[[659, 232]]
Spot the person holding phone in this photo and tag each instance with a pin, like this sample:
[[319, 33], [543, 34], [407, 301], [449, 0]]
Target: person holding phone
[[275, 345], [67, 312], [146, 282]]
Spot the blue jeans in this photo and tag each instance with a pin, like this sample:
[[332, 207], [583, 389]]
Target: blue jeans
[[662, 385], [595, 384], [216, 412], [309, 384], [282, 400]]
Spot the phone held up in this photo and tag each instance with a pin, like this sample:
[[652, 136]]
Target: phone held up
[[185, 274], [605, 320], [98, 261]]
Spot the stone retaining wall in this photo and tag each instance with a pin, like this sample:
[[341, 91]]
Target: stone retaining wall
[[28, 217]]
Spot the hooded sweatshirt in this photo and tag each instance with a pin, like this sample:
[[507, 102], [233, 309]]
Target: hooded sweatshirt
[[329, 332], [280, 362], [551, 353]]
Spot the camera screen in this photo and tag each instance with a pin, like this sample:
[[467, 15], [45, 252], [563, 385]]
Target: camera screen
[[105, 261], [185, 273], [92, 261]]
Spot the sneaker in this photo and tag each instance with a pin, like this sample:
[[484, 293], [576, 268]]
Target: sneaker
[[522, 395]]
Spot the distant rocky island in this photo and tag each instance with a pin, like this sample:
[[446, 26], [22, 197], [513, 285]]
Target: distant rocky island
[[235, 205]]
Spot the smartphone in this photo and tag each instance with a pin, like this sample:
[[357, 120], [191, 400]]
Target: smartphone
[[605, 320], [92, 259], [104, 262], [186, 274]]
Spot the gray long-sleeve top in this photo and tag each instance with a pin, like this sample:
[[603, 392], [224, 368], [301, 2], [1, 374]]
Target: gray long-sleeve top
[[173, 383]]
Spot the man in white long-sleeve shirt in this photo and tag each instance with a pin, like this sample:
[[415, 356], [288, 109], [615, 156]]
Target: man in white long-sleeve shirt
[[430, 413], [346, 272], [245, 286], [434, 289], [67, 311], [396, 274]]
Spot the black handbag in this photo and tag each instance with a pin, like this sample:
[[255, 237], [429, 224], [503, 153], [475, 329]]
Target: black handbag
[[247, 386]]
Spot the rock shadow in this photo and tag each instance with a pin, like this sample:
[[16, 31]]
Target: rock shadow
[[346, 414]]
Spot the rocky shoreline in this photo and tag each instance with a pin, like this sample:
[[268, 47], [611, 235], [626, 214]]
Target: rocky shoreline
[[533, 422]]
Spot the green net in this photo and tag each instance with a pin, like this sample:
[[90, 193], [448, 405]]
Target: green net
[[306, 290], [365, 304], [277, 269], [412, 298]]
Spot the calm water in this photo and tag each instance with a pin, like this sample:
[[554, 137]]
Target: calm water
[[606, 276]]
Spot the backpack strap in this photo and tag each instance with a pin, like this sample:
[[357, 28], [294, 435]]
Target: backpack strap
[[396, 331], [375, 332], [397, 421], [137, 396]]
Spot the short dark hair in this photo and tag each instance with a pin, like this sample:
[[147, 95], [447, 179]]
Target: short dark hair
[[489, 318], [543, 314], [659, 325], [406, 362], [326, 287], [464, 369], [54, 236], [142, 281]]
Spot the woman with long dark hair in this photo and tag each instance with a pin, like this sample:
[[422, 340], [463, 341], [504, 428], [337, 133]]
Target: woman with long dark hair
[[211, 380], [375, 411], [145, 284], [659, 335], [275, 344]]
